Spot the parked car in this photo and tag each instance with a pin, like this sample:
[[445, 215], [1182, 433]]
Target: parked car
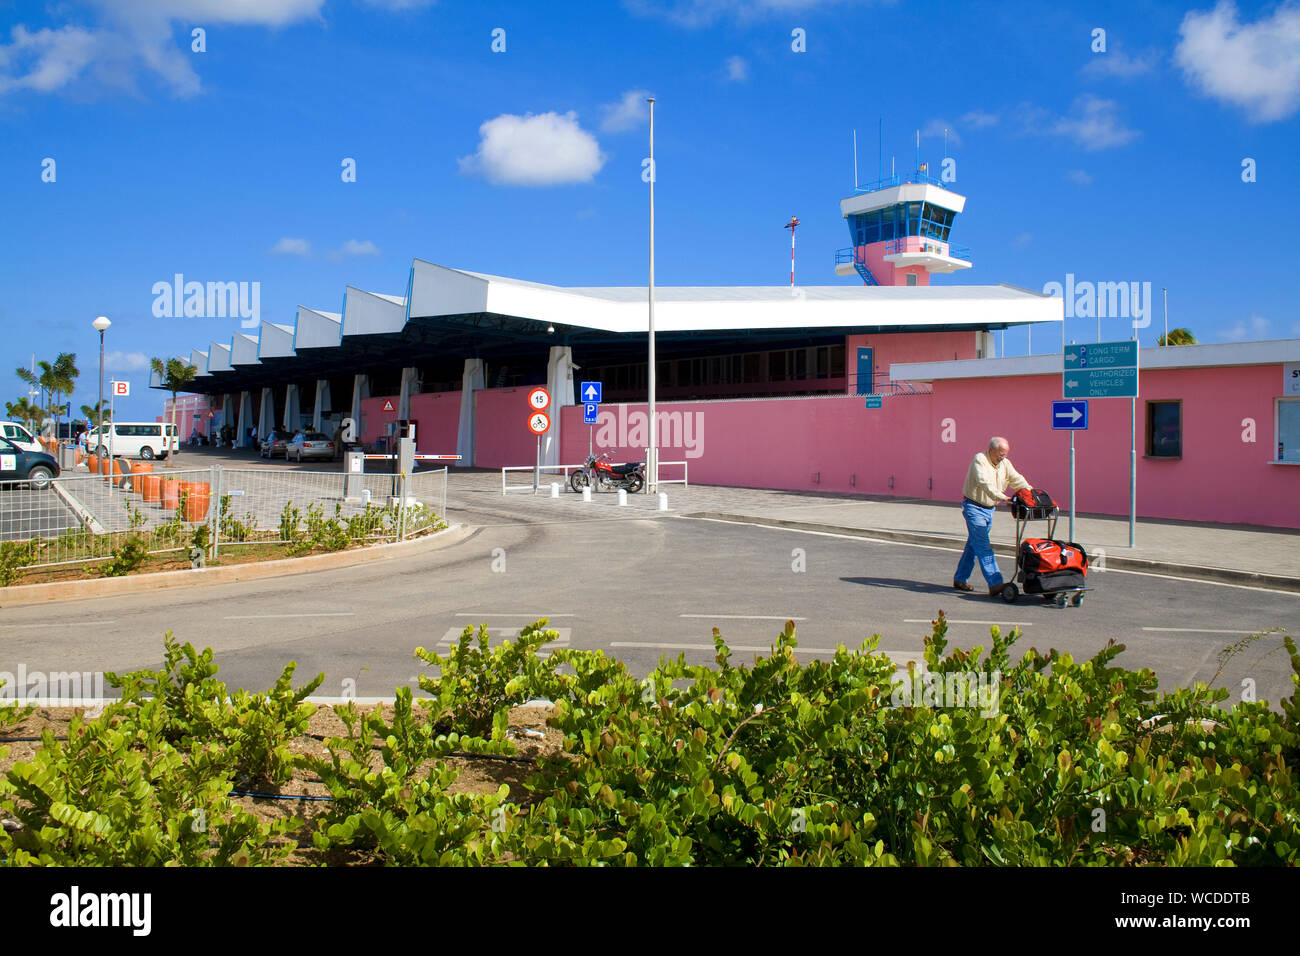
[[20, 436], [274, 444], [34, 467], [310, 445], [147, 440]]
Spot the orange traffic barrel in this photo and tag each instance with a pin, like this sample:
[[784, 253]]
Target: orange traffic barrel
[[197, 498], [138, 470]]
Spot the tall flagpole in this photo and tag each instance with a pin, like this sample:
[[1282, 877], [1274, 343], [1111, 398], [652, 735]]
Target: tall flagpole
[[652, 448]]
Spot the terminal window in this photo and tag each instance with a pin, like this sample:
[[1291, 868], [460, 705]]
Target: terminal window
[[1288, 429], [1165, 429]]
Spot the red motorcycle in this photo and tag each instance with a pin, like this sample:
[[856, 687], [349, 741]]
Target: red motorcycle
[[602, 475]]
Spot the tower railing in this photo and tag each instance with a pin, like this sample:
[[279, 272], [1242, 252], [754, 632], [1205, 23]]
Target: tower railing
[[897, 179]]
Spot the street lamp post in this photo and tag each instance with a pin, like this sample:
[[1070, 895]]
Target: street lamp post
[[652, 451], [101, 325]]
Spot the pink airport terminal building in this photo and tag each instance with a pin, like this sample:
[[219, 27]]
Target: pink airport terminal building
[[883, 387]]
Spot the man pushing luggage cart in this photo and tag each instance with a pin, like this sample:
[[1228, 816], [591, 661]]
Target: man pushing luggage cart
[[990, 471]]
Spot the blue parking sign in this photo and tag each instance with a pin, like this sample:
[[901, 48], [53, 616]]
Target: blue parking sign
[[589, 412]]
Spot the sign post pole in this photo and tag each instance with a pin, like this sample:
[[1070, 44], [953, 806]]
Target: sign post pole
[[1071, 485], [537, 468], [1132, 472]]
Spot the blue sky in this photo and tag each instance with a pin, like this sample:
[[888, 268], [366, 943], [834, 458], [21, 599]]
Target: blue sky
[[225, 165]]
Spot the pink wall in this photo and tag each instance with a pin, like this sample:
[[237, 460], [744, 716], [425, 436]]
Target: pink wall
[[886, 273], [437, 419], [374, 420], [781, 443], [501, 435], [1219, 478], [892, 347]]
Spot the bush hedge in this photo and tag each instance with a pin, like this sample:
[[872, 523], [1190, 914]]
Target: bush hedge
[[832, 762]]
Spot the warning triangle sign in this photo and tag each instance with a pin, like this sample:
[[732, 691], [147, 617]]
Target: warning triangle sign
[[388, 406]]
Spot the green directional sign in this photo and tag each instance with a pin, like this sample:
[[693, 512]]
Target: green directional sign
[[1122, 354], [1101, 383], [1101, 370]]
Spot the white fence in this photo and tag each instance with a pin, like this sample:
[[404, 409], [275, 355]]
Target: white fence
[[86, 519], [566, 469]]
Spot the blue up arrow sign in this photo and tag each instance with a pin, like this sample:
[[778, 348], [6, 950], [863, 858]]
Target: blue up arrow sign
[[1070, 416], [590, 392]]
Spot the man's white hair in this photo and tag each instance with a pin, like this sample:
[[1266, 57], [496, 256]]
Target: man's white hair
[[997, 441]]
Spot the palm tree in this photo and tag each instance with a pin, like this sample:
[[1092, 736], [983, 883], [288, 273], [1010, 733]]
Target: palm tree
[[27, 413], [174, 375], [1178, 337], [55, 381]]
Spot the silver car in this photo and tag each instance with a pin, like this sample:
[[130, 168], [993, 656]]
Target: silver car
[[309, 445]]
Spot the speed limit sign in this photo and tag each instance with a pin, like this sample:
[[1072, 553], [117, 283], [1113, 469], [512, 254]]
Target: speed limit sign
[[539, 422], [540, 399]]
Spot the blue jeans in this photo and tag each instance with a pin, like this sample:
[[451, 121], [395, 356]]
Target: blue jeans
[[978, 522]]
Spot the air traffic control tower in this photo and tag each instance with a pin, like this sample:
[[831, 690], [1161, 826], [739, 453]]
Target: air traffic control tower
[[899, 229]]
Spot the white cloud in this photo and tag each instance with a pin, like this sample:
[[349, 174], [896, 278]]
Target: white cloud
[[1116, 63], [119, 361], [701, 13], [289, 246], [135, 38], [737, 69], [543, 150], [628, 113], [1254, 66], [1093, 123], [1079, 177], [1022, 240], [1256, 328], [353, 248], [937, 128], [978, 119]]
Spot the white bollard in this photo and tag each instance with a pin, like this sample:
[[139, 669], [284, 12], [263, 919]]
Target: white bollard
[[663, 501], [622, 497], [586, 493], [555, 490], [365, 496]]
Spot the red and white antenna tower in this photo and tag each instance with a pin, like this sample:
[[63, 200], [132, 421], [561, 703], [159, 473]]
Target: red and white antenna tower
[[794, 221]]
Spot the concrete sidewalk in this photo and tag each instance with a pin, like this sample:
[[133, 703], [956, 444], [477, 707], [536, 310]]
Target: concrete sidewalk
[[1268, 557]]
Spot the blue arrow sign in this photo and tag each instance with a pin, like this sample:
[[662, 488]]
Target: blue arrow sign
[[589, 413], [590, 392], [1070, 416]]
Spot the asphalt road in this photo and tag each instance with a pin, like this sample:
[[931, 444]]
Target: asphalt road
[[638, 587]]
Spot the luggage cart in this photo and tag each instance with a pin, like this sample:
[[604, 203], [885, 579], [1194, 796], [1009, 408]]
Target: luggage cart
[[1061, 597]]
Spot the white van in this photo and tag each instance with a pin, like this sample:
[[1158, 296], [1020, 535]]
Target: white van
[[135, 439], [20, 436]]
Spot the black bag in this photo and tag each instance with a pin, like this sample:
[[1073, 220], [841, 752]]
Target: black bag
[[1055, 581], [1032, 503]]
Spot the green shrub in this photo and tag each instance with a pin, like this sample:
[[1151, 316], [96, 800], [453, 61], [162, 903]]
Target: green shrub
[[15, 556], [127, 557]]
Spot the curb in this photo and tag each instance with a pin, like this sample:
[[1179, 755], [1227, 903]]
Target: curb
[[23, 594], [1196, 572]]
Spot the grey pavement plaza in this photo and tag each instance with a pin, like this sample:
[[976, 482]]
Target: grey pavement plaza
[[638, 583]]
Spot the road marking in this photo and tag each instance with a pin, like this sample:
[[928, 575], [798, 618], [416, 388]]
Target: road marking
[[954, 620], [485, 615], [1200, 630], [748, 617], [68, 624], [865, 536], [453, 635], [260, 617]]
